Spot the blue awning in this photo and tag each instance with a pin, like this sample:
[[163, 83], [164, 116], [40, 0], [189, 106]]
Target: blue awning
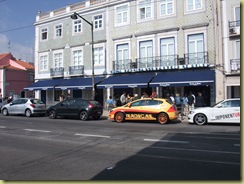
[[127, 81], [78, 83], [184, 78], [44, 84]]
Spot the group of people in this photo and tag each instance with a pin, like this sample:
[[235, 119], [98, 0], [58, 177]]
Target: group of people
[[62, 97]]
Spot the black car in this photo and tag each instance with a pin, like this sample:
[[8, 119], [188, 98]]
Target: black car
[[76, 107]]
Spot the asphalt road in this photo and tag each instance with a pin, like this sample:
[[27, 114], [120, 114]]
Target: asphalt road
[[39, 148]]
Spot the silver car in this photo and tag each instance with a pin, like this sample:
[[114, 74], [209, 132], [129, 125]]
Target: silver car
[[25, 106]]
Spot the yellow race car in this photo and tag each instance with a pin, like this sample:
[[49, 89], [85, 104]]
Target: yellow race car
[[156, 109]]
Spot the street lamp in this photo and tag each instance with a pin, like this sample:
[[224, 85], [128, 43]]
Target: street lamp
[[75, 16]]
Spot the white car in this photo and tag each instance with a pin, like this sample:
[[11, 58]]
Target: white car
[[226, 111]]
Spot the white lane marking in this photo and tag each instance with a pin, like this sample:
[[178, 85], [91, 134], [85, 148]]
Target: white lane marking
[[2, 127], [237, 145], [33, 130], [158, 140], [90, 135]]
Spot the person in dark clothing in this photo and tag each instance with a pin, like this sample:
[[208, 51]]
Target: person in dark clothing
[[199, 100], [190, 101]]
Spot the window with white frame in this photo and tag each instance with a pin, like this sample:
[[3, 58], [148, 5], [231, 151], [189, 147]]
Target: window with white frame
[[167, 7], [44, 34], [99, 56], [77, 26], [194, 5], [98, 22], [43, 63], [122, 14], [58, 60], [122, 54], [58, 30], [167, 51], [237, 16], [146, 54], [78, 57], [196, 49], [145, 9]]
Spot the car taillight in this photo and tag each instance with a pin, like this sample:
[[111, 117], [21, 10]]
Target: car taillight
[[32, 105], [91, 105], [172, 109]]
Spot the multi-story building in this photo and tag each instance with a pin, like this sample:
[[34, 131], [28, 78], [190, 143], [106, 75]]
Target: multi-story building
[[164, 45]]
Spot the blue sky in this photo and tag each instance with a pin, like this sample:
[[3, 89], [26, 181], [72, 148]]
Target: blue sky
[[16, 24]]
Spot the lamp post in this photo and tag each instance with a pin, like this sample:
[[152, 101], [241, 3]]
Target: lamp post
[[75, 16]]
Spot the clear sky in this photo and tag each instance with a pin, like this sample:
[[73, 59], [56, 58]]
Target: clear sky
[[16, 24]]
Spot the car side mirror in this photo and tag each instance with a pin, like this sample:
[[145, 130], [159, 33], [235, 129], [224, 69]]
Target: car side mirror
[[11, 103]]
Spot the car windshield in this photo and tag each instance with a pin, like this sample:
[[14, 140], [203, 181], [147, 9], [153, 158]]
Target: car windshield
[[36, 101]]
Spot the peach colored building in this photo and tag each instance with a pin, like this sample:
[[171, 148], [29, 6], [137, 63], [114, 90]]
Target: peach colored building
[[15, 75]]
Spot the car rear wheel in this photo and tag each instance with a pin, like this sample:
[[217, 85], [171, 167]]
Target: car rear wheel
[[52, 114], [162, 118], [28, 113], [5, 112], [119, 117], [200, 119], [83, 115]]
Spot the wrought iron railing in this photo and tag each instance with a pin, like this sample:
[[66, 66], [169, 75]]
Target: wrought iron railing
[[196, 58], [235, 65], [122, 64], [57, 72], [157, 61], [234, 28], [76, 70]]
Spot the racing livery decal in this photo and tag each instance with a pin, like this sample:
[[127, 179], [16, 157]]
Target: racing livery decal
[[226, 116]]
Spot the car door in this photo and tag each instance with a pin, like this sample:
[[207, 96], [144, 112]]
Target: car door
[[227, 111], [134, 110], [15, 107]]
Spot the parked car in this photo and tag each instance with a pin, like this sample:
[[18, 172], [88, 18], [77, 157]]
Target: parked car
[[76, 107], [24, 106], [226, 111], [155, 109]]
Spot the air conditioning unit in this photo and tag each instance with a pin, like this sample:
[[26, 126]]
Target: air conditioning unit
[[232, 31]]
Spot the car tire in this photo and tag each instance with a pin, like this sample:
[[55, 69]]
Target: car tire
[[52, 114], [83, 115], [28, 113], [200, 119], [162, 118], [5, 112], [119, 117]]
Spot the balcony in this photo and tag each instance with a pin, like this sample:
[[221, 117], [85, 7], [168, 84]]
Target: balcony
[[235, 65], [198, 58], [76, 70], [234, 28], [57, 72], [121, 65]]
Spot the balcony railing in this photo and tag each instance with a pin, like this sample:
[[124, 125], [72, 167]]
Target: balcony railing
[[122, 64], [57, 72], [196, 58], [157, 61], [76, 70], [235, 65], [234, 28]]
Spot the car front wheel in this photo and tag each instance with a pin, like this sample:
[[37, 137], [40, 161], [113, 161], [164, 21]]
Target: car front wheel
[[5, 112], [162, 118], [28, 113], [119, 117], [52, 114], [83, 115], [200, 119]]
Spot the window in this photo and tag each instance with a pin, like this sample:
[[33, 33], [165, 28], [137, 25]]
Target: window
[[122, 15], [146, 54], [57, 94], [98, 22], [77, 26], [123, 52], [166, 7], [196, 49], [145, 9], [44, 34], [99, 56], [58, 60], [78, 57], [193, 5], [43, 63], [58, 30], [167, 51], [237, 16]]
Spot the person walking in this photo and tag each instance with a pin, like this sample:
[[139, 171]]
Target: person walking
[[185, 105], [178, 102], [154, 95], [191, 101], [110, 103]]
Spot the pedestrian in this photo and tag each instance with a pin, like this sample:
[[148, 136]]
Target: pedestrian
[[191, 101], [178, 102], [154, 94], [199, 100], [123, 98], [110, 103], [172, 98], [129, 98], [144, 95], [185, 105], [61, 98]]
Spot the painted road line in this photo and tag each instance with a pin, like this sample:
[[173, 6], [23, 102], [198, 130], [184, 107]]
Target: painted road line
[[2, 127], [90, 135], [33, 130], [168, 141], [237, 145]]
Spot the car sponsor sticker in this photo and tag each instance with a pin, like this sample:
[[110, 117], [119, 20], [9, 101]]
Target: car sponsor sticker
[[139, 116], [228, 116]]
